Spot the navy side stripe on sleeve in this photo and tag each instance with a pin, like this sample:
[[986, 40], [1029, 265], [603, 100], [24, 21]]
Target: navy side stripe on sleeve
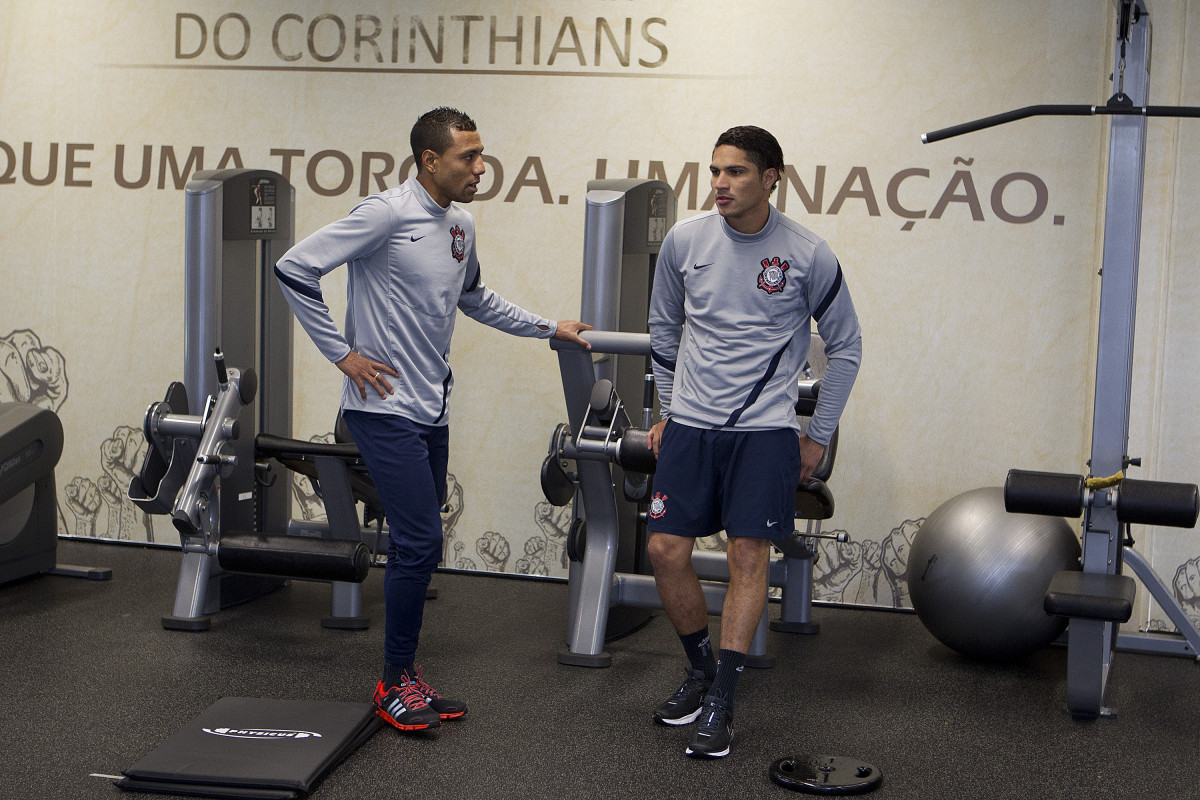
[[474, 282], [299, 288], [445, 391], [662, 362], [823, 306], [759, 385]]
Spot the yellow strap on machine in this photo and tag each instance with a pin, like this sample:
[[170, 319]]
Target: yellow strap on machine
[[1104, 483]]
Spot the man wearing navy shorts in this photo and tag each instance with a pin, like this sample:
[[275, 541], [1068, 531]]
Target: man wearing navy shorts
[[412, 263], [734, 293]]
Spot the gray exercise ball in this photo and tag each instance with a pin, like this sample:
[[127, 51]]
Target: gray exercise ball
[[978, 575]]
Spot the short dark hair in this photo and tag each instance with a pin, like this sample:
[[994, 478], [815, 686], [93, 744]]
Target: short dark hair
[[432, 131], [760, 147]]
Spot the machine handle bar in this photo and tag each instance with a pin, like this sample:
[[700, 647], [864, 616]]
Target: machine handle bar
[[616, 342], [1115, 107]]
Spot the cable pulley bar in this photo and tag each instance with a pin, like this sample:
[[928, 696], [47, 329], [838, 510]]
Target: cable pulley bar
[[1119, 105]]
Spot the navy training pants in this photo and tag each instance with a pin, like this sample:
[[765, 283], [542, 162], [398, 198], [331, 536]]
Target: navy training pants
[[407, 462]]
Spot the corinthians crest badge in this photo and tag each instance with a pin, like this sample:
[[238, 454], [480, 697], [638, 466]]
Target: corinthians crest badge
[[658, 505], [458, 243], [772, 278]]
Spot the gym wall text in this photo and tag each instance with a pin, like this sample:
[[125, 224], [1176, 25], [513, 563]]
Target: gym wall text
[[910, 194], [366, 39]]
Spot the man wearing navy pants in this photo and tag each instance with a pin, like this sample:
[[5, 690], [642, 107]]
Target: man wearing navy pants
[[412, 263]]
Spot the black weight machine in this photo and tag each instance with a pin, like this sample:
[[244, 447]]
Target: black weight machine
[[210, 463], [1100, 597]]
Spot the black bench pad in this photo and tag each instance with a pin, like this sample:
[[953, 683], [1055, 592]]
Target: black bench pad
[[1091, 595]]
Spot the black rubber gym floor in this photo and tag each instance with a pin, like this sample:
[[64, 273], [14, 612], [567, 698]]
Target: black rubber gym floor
[[90, 683]]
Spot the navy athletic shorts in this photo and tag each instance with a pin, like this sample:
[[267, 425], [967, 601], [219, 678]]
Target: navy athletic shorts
[[741, 482]]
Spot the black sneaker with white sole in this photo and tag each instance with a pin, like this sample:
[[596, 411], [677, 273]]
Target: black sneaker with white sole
[[684, 706], [713, 732]]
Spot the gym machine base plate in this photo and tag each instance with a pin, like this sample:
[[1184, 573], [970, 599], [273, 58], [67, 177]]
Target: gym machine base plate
[[600, 660]]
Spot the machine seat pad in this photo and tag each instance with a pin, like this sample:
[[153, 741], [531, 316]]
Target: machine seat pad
[[298, 449], [1091, 595], [300, 456]]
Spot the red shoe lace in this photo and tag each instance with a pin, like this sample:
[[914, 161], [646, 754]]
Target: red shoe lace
[[424, 687], [411, 695]]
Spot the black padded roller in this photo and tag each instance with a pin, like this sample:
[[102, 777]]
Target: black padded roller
[[634, 455], [295, 557], [814, 500], [1158, 503], [1051, 494]]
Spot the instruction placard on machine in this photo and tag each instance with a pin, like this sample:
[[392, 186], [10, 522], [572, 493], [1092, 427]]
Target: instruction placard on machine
[[262, 206]]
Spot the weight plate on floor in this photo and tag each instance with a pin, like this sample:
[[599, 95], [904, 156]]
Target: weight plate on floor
[[829, 775]]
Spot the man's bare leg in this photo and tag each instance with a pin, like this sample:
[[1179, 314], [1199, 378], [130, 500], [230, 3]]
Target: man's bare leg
[[678, 586], [747, 594]]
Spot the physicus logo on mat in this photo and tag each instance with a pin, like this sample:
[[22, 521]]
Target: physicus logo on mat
[[261, 733]]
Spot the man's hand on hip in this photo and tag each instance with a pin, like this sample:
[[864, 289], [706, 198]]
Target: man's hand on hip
[[364, 371]]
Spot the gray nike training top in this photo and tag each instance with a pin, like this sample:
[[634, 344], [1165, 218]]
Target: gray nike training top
[[411, 263], [730, 325]]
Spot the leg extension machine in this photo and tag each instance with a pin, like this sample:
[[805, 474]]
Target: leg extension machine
[[181, 476], [604, 436]]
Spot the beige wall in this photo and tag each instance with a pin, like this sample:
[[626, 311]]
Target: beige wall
[[978, 330]]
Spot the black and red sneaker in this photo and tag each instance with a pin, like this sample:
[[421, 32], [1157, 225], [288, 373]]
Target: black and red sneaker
[[404, 707], [446, 709]]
